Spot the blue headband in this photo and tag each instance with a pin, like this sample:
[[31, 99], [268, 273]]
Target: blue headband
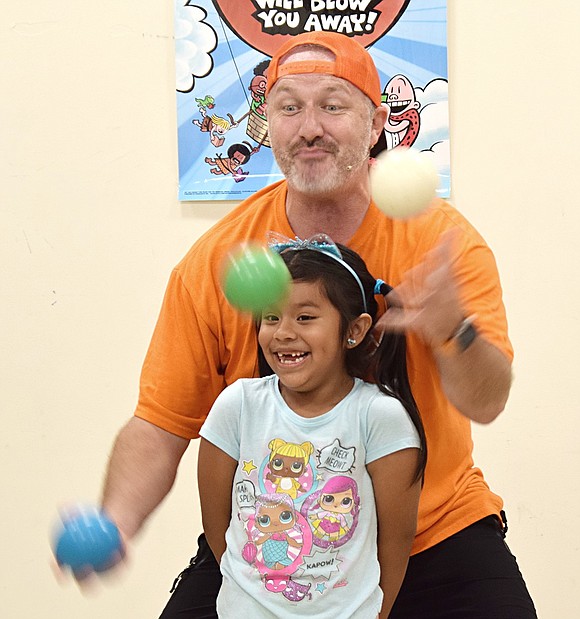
[[319, 242]]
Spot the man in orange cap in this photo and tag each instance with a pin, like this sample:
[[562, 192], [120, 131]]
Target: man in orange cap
[[324, 115]]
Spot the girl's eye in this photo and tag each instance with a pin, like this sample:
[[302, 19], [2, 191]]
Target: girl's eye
[[269, 318], [346, 502], [286, 517], [277, 464], [303, 317], [264, 520], [328, 499]]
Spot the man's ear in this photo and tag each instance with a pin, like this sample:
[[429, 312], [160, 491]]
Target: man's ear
[[378, 125]]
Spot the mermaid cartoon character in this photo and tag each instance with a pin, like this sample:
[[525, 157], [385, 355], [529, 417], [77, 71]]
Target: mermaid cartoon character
[[278, 536], [275, 517], [287, 463], [333, 511]]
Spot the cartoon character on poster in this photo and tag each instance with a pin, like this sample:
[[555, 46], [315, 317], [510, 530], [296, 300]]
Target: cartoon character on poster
[[214, 125], [238, 154], [257, 127], [403, 121], [223, 49]]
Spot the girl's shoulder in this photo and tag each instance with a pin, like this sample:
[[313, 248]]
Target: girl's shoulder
[[251, 386], [375, 399]]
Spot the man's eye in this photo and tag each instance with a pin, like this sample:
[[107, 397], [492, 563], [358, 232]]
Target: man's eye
[[336, 107]]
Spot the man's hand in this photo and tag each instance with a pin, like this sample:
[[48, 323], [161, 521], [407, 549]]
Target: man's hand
[[427, 301]]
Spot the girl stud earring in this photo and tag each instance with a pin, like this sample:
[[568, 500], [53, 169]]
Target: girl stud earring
[[350, 341]]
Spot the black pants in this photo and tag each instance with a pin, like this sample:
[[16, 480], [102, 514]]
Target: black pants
[[195, 590], [471, 575]]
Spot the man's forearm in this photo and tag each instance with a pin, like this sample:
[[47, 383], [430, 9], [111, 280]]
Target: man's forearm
[[477, 381], [140, 473]]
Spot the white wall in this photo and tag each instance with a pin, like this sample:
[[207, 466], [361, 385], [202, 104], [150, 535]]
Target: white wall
[[90, 227]]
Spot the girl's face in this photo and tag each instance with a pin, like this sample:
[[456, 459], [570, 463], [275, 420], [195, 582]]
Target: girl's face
[[338, 502], [271, 519], [302, 344]]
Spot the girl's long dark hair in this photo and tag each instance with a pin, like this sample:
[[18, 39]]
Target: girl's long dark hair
[[383, 362]]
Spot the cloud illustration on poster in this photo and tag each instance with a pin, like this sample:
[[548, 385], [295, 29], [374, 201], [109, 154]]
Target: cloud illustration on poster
[[434, 135], [194, 42]]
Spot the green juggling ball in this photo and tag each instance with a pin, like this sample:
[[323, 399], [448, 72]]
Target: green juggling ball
[[255, 278]]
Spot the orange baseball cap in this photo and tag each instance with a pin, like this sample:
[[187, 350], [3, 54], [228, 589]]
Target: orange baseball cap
[[352, 62]]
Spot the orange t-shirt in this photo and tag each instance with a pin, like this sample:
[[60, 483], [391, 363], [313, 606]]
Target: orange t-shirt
[[201, 344]]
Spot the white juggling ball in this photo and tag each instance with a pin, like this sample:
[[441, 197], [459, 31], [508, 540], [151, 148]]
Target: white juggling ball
[[403, 182]]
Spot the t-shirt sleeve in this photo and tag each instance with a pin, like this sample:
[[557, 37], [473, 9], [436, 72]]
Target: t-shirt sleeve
[[476, 270], [481, 293], [222, 425], [389, 428], [180, 378], [201, 343]]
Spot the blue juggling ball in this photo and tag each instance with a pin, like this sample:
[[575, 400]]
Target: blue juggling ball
[[88, 539]]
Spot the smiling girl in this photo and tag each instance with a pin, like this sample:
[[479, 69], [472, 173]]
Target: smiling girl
[[338, 547]]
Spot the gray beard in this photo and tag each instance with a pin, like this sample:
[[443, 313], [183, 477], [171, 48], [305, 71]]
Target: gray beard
[[313, 181]]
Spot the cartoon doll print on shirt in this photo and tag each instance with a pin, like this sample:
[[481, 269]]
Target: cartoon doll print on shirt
[[333, 511], [278, 537], [288, 463], [275, 519], [298, 506]]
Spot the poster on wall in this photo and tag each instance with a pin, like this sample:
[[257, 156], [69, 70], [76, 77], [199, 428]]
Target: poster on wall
[[222, 52]]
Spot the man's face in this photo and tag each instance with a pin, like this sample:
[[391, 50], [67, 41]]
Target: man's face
[[319, 125]]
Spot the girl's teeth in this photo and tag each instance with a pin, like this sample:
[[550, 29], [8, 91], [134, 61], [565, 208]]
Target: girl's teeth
[[290, 357]]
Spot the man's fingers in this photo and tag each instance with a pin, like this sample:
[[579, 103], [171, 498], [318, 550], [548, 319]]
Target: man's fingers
[[397, 320]]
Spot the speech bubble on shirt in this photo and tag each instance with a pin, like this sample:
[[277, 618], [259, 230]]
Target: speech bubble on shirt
[[320, 564], [336, 458], [245, 494]]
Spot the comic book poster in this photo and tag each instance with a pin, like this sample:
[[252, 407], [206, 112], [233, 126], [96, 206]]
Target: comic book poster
[[222, 51]]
